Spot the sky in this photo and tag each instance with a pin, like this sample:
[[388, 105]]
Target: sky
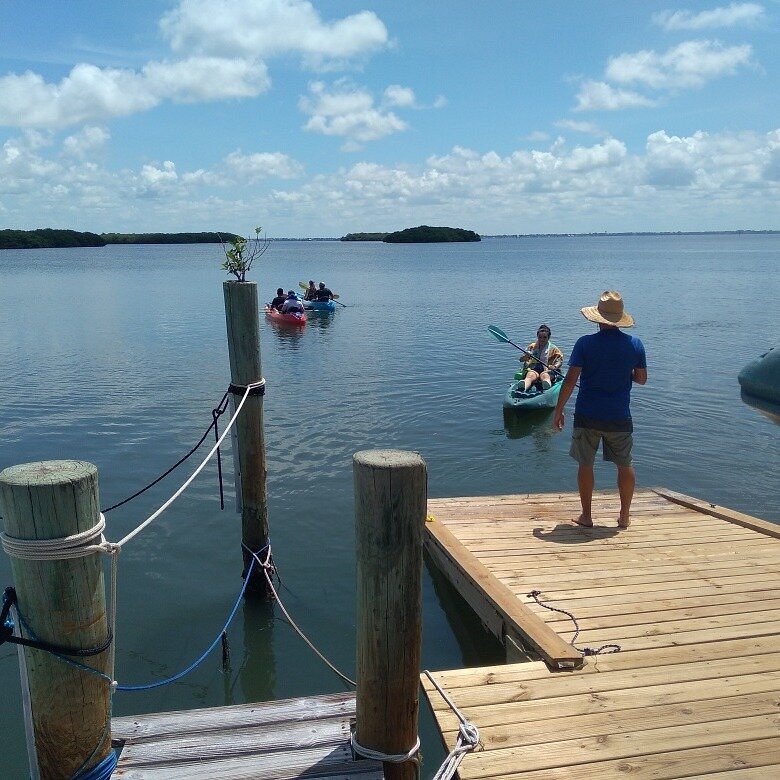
[[316, 119]]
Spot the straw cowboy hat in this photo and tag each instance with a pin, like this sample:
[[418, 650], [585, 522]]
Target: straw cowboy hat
[[609, 311]]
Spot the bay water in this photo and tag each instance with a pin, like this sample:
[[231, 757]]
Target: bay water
[[117, 356]]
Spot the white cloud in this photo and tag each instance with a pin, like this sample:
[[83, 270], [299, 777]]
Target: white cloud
[[723, 16], [89, 93], [348, 111], [86, 94], [87, 140], [269, 28], [206, 78], [157, 178], [557, 187], [600, 96], [227, 43], [262, 165], [396, 95], [690, 64]]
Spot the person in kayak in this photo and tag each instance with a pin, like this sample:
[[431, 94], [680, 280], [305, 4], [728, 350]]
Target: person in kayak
[[291, 304], [606, 363], [542, 361], [277, 302], [311, 292], [323, 293]]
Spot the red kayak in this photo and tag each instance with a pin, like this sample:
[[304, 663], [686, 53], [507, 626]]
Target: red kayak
[[296, 319]]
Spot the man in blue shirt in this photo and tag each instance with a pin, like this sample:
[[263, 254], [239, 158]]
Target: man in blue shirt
[[606, 363]]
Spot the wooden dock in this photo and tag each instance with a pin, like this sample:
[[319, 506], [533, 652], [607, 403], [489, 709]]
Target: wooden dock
[[690, 594], [307, 737]]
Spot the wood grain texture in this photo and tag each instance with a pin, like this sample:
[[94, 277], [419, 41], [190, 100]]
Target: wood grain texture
[[391, 490], [64, 603], [689, 592], [306, 737], [243, 335]]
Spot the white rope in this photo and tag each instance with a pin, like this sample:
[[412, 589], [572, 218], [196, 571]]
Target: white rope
[[63, 548], [468, 738], [29, 731], [197, 471], [392, 758], [80, 545], [267, 566]]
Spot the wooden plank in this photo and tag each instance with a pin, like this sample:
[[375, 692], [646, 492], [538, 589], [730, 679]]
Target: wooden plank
[[671, 628], [695, 565], [158, 725], [738, 612], [732, 516], [321, 762], [624, 544], [545, 641], [526, 713], [597, 576], [714, 600], [754, 773], [566, 753], [572, 600], [762, 650], [304, 737], [600, 681], [521, 733], [668, 765], [761, 581]]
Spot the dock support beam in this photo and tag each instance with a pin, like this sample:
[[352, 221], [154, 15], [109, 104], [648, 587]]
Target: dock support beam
[[391, 493], [243, 336], [63, 602]]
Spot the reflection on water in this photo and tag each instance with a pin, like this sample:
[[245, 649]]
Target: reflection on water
[[767, 408], [320, 319], [536, 423]]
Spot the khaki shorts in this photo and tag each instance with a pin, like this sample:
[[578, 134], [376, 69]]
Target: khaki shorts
[[617, 446]]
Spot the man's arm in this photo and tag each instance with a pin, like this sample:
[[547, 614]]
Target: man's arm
[[639, 376], [567, 389]]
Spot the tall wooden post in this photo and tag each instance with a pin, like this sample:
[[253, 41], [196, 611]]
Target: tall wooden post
[[391, 494], [63, 602], [243, 335]]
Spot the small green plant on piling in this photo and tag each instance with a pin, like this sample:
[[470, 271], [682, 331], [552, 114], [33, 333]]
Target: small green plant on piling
[[241, 252]]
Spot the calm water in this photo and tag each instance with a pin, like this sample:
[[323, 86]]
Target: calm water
[[117, 356]]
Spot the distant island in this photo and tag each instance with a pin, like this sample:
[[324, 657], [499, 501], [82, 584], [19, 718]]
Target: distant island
[[424, 234], [48, 238]]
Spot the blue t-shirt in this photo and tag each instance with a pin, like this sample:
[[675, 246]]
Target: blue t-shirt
[[607, 359]]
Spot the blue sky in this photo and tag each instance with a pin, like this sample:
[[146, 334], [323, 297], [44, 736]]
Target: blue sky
[[322, 118]]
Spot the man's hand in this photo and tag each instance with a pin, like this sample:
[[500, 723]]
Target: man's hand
[[558, 420]]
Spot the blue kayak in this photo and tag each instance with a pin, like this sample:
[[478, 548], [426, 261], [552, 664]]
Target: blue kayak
[[320, 305], [517, 398]]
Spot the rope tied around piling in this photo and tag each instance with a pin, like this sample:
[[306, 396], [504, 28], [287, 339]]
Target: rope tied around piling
[[62, 548], [467, 739], [268, 569], [604, 649], [413, 754]]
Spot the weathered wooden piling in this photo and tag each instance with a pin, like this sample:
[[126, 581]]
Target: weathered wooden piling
[[243, 335], [63, 602], [390, 505]]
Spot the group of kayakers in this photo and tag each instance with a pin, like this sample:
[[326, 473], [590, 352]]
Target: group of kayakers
[[319, 293], [291, 303]]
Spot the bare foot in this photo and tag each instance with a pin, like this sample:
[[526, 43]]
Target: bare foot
[[585, 522], [624, 522]]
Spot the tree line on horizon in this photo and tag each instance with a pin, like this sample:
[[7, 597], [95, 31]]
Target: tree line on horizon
[[50, 238]]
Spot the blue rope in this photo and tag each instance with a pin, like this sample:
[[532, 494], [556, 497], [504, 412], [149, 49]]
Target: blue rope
[[101, 771], [195, 664]]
